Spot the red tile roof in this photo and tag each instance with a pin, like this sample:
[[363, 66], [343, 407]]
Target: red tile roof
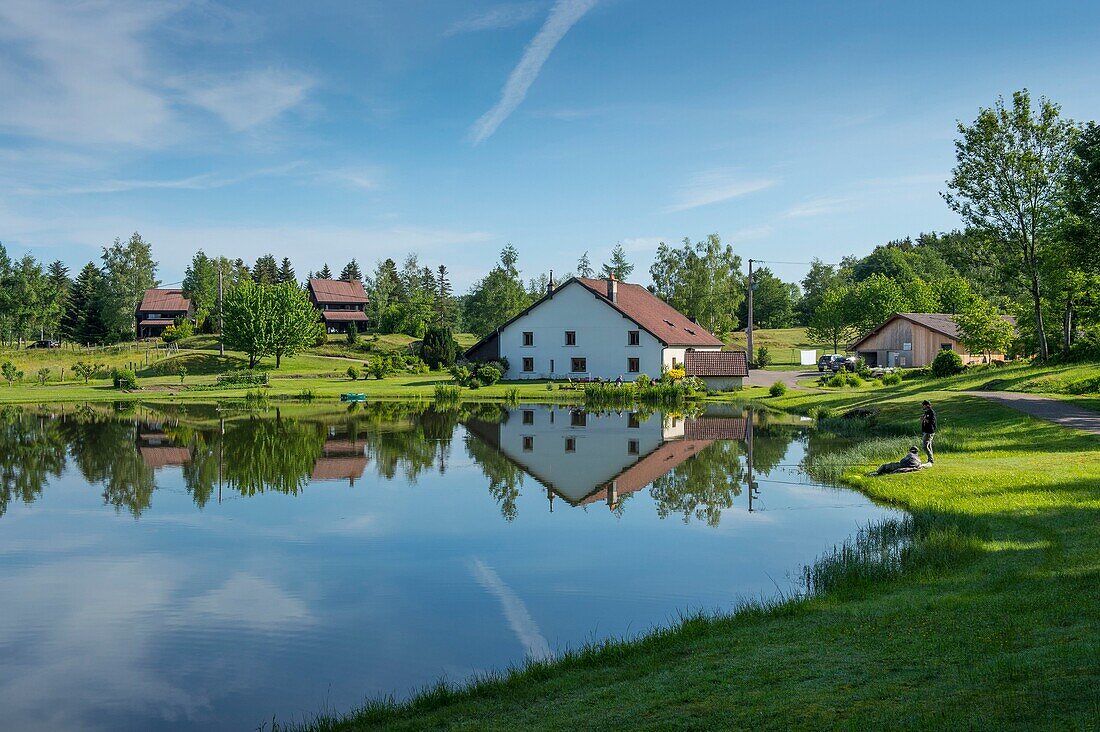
[[339, 468], [649, 468], [158, 301], [715, 428], [338, 291], [715, 363], [163, 456], [343, 316], [653, 314]]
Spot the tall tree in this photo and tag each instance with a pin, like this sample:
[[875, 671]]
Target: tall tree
[[497, 296], [129, 270], [351, 272], [325, 273], [584, 266], [200, 284], [383, 290], [831, 321], [294, 323], [445, 308], [83, 318], [874, 300], [701, 280], [1009, 177], [58, 286], [773, 301], [983, 330], [248, 323], [619, 266], [286, 272], [266, 270], [818, 280]]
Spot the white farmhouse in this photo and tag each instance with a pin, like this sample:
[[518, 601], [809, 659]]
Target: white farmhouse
[[589, 328]]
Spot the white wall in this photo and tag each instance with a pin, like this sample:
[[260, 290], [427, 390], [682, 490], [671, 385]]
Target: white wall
[[601, 339]]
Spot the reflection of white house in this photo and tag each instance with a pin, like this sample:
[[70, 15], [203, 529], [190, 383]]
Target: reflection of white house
[[587, 457], [589, 328]]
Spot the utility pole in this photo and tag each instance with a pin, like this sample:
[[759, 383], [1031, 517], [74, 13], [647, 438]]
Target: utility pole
[[748, 331], [221, 325]]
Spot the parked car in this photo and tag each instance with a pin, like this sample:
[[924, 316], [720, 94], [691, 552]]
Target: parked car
[[44, 344], [825, 363], [844, 363]]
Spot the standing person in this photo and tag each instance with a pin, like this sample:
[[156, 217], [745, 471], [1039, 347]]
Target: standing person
[[928, 429]]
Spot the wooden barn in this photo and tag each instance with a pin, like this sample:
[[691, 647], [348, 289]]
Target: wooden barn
[[908, 340]]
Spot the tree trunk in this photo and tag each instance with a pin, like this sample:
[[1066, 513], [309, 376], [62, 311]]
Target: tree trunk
[[278, 358], [1067, 326], [251, 362], [1040, 331]]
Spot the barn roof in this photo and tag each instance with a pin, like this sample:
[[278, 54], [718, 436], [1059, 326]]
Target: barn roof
[[160, 300], [943, 323], [339, 291]]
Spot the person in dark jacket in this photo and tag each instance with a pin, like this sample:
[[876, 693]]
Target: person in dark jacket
[[907, 464], [928, 429]]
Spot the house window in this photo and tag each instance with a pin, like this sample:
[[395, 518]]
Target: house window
[[579, 365], [632, 447], [578, 418], [528, 416], [634, 421], [946, 347], [571, 338], [528, 443], [528, 364], [633, 337], [570, 444], [528, 338], [633, 365]]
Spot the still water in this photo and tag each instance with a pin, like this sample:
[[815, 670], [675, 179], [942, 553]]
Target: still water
[[205, 568]]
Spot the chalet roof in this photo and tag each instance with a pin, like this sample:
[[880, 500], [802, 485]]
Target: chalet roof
[[715, 428], [649, 312], [715, 363], [157, 321], [943, 323], [337, 291], [158, 300], [653, 314], [651, 467], [343, 316]]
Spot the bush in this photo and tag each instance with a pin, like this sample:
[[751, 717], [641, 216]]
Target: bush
[[777, 389], [242, 377], [488, 374], [918, 373], [763, 357], [439, 349], [891, 379], [461, 375], [352, 334], [43, 375], [675, 374], [642, 381], [837, 380], [946, 363], [124, 379], [180, 330], [379, 367], [353, 372]]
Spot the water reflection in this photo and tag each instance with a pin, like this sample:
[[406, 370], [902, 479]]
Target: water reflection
[[694, 465]]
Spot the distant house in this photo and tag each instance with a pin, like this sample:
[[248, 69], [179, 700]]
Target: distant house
[[341, 303], [719, 370], [913, 340], [588, 328], [160, 309]]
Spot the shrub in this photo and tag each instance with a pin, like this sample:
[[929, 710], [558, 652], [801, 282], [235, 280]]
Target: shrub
[[946, 363], [439, 349], [837, 380], [352, 334], [43, 375], [488, 374], [891, 379], [917, 373], [353, 372], [180, 330], [853, 379], [85, 370], [379, 367], [642, 381], [763, 357], [10, 373], [675, 374], [242, 377], [777, 389], [461, 374], [182, 371], [447, 393], [124, 379]]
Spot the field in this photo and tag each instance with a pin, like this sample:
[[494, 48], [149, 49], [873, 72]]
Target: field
[[782, 343], [992, 622]]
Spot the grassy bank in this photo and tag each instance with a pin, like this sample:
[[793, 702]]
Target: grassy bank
[[990, 620]]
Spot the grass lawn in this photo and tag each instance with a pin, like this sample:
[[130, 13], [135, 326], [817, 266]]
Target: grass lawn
[[783, 344], [994, 623]]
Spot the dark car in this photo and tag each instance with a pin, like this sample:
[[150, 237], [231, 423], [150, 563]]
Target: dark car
[[844, 363], [44, 344], [830, 362]]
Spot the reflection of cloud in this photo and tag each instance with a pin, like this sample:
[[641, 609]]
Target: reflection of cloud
[[515, 611], [248, 600]]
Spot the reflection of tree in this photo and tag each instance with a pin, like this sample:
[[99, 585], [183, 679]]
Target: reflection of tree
[[505, 477], [31, 450], [200, 473], [270, 454], [105, 451], [769, 446], [703, 485]]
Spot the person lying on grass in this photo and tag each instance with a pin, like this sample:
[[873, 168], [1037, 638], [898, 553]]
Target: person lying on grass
[[908, 464]]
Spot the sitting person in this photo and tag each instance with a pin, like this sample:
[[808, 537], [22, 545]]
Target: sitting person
[[907, 464]]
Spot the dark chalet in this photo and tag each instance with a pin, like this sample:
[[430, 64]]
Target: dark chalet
[[160, 309], [340, 303]]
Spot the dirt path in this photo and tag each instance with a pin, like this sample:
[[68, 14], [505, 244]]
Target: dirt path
[[760, 377], [1052, 410]]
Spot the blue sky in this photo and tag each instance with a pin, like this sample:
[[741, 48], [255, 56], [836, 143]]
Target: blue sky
[[326, 131]]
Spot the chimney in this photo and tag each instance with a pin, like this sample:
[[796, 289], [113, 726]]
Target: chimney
[[550, 284], [612, 289]]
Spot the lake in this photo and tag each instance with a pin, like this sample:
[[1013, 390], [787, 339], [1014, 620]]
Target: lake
[[203, 567]]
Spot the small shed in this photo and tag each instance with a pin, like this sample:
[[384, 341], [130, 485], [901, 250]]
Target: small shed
[[719, 370], [908, 340]]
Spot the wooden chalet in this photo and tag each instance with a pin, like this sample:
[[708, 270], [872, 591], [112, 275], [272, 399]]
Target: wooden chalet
[[159, 309], [340, 303]]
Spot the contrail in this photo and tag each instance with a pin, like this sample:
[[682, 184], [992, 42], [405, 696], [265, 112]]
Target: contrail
[[515, 612]]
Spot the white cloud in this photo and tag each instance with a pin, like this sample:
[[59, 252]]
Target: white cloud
[[515, 611], [496, 18], [203, 181], [248, 601], [716, 186], [250, 98], [819, 207], [563, 16]]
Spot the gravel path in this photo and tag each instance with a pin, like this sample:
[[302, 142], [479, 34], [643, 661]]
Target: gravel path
[[1052, 410], [760, 377]]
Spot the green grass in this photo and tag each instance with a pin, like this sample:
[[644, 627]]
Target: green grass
[[988, 618], [783, 344]]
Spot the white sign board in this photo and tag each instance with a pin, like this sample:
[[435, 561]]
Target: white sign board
[[809, 358]]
